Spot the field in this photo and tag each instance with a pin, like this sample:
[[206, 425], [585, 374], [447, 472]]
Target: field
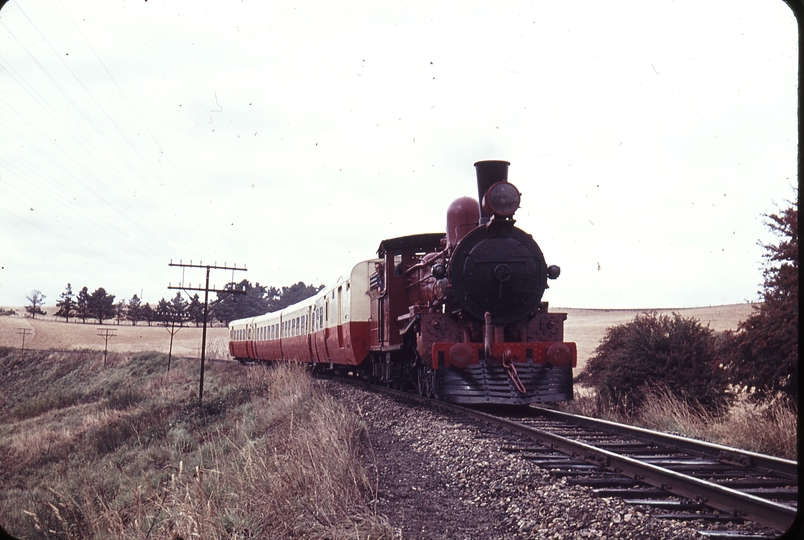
[[53, 333], [586, 327], [583, 326]]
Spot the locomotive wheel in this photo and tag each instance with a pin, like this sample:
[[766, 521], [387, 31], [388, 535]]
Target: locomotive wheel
[[421, 380], [427, 381], [433, 378]]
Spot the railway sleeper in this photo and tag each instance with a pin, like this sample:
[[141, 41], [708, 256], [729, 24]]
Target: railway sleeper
[[667, 504], [777, 494], [636, 493], [610, 482], [684, 516], [735, 535]]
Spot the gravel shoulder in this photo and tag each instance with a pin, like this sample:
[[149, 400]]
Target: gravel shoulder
[[443, 478]]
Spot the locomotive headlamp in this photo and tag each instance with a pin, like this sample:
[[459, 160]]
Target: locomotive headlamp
[[439, 271], [501, 199]]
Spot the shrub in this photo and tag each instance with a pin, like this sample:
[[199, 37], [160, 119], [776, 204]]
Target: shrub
[[657, 349]]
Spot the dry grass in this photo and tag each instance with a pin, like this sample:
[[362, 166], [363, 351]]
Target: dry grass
[[268, 455], [769, 428], [56, 334]]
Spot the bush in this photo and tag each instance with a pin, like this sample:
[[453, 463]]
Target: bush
[[657, 349]]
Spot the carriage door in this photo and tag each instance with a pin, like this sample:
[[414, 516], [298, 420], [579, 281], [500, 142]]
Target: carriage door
[[339, 311]]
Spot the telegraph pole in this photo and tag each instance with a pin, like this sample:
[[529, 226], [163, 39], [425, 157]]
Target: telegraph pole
[[206, 290], [24, 332], [171, 318], [106, 334]]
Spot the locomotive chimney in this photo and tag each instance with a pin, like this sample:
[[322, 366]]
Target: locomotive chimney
[[488, 174]]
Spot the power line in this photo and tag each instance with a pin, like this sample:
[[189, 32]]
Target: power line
[[188, 231], [106, 334], [24, 332], [206, 290], [150, 133]]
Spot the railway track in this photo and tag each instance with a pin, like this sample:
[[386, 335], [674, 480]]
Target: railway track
[[685, 478], [679, 478]]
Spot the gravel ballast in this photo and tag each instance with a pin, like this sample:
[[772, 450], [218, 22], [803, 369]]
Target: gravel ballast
[[441, 477]]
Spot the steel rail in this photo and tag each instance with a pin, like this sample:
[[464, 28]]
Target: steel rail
[[771, 514], [725, 454]]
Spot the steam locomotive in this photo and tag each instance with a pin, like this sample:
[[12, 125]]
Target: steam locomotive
[[456, 316]]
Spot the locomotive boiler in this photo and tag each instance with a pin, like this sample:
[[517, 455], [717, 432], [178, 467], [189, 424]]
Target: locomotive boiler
[[457, 316]]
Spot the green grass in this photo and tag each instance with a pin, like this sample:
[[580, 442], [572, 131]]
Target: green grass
[[125, 451]]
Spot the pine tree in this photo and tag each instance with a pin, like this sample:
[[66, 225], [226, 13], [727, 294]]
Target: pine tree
[[178, 305], [101, 305], [196, 310], [162, 311], [120, 311], [134, 312], [66, 305], [148, 314], [82, 304]]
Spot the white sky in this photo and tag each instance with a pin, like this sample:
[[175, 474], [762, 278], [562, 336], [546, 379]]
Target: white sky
[[647, 139]]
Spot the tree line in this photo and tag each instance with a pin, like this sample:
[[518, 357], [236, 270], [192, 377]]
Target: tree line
[[101, 306]]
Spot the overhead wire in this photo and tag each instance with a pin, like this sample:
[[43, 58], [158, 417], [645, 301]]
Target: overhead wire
[[103, 110], [110, 169], [53, 191], [134, 110], [47, 188]]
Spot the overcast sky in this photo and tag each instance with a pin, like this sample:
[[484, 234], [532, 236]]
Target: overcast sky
[[647, 139]]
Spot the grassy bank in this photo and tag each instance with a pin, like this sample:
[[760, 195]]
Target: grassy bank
[[124, 451], [767, 428]]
